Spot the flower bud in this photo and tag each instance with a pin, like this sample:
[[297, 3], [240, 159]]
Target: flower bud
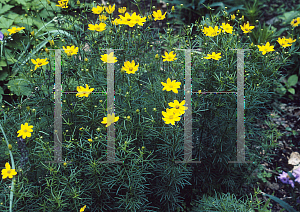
[[173, 9], [9, 146]]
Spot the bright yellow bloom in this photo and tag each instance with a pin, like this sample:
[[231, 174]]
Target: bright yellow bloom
[[97, 27], [170, 116], [213, 56], [84, 91], [199, 91], [117, 21], [266, 48], [290, 40], [169, 57], [130, 68], [90, 140], [284, 42], [150, 17], [8, 172], [178, 107], [39, 62], [102, 18], [82, 209], [109, 58], [295, 22], [227, 28], [70, 50], [110, 119], [158, 15], [122, 10], [211, 32], [127, 19], [171, 85], [246, 28], [63, 3], [110, 9], [15, 30], [25, 131], [232, 17], [51, 42], [173, 9], [137, 19], [97, 10]]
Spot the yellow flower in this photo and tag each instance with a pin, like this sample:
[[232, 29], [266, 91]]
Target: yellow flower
[[156, 56], [25, 131], [137, 19], [102, 18], [85, 59], [97, 27], [47, 50], [213, 56], [84, 91], [97, 10], [117, 21], [211, 32], [109, 58], [290, 40], [127, 19], [173, 9], [110, 9], [170, 116], [90, 140], [171, 85], [51, 42], [63, 3], [169, 57], [232, 17], [227, 28], [284, 42], [122, 10], [15, 30], [178, 107], [246, 28], [158, 15], [8, 172], [82, 209], [295, 22], [130, 68], [32, 33], [150, 17], [199, 91], [70, 50], [110, 119], [78, 2], [39, 62], [266, 48]]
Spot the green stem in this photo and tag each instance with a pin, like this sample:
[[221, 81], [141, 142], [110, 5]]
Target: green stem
[[11, 196]]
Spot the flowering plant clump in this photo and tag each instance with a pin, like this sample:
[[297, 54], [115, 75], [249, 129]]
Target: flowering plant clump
[[153, 90]]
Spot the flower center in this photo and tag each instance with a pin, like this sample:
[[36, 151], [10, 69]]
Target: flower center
[[177, 107], [9, 171], [130, 69], [39, 64], [25, 131], [171, 117], [171, 86], [128, 19]]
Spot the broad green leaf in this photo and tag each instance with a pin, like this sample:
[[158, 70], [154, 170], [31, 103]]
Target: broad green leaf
[[5, 23], [5, 8], [3, 62], [281, 202], [22, 2], [292, 80], [19, 87], [291, 90], [12, 15], [3, 75]]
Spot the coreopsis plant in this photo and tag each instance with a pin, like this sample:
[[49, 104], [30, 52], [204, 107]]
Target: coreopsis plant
[[213, 56], [295, 22], [246, 27], [84, 92], [97, 10], [25, 130], [97, 27], [158, 16], [171, 85], [111, 118], [169, 56], [14, 30], [63, 4], [70, 50], [266, 48], [130, 68], [39, 62], [109, 58], [8, 172]]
